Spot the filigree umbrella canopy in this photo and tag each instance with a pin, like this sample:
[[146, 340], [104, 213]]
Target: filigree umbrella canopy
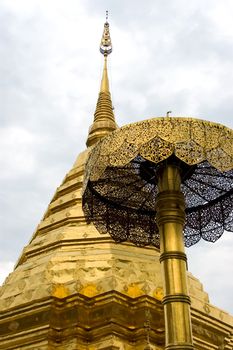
[[183, 169], [120, 186]]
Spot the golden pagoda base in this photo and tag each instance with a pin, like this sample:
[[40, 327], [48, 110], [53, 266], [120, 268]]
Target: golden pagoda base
[[74, 288], [107, 321]]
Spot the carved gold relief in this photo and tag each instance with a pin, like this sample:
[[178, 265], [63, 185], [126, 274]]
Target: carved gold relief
[[89, 290], [158, 293], [60, 291]]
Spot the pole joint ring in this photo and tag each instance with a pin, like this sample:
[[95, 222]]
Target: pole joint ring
[[173, 255], [182, 298]]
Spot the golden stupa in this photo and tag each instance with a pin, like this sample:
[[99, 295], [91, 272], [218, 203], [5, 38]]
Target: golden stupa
[[76, 289]]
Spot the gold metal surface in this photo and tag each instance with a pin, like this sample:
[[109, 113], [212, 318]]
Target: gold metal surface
[[170, 219], [104, 87]]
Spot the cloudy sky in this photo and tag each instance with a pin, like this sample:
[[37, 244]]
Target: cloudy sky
[[168, 55]]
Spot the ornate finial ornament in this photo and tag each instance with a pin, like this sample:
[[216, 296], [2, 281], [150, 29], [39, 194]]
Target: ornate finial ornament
[[106, 44]]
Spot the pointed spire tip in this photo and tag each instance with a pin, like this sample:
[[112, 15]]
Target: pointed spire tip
[[104, 120]]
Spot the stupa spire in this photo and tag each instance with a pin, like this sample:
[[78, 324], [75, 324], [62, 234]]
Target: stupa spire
[[104, 120]]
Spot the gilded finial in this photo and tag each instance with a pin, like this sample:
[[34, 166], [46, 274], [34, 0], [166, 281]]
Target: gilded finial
[[104, 120], [106, 44]]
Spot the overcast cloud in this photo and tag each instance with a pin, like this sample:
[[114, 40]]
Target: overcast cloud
[[167, 55]]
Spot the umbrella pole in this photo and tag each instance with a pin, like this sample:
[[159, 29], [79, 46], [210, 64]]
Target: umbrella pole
[[170, 219]]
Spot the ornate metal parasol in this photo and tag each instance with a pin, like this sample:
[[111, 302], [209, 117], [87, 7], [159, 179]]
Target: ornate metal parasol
[[165, 182]]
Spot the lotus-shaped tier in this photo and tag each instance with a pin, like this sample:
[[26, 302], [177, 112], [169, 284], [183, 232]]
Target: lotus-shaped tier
[[120, 185]]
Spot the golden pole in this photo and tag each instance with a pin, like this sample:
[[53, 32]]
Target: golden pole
[[170, 219]]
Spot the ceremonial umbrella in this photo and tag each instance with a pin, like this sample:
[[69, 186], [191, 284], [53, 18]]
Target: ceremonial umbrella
[[164, 182]]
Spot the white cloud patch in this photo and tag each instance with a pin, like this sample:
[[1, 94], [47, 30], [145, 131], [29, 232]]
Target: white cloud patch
[[18, 158], [212, 264], [5, 268]]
